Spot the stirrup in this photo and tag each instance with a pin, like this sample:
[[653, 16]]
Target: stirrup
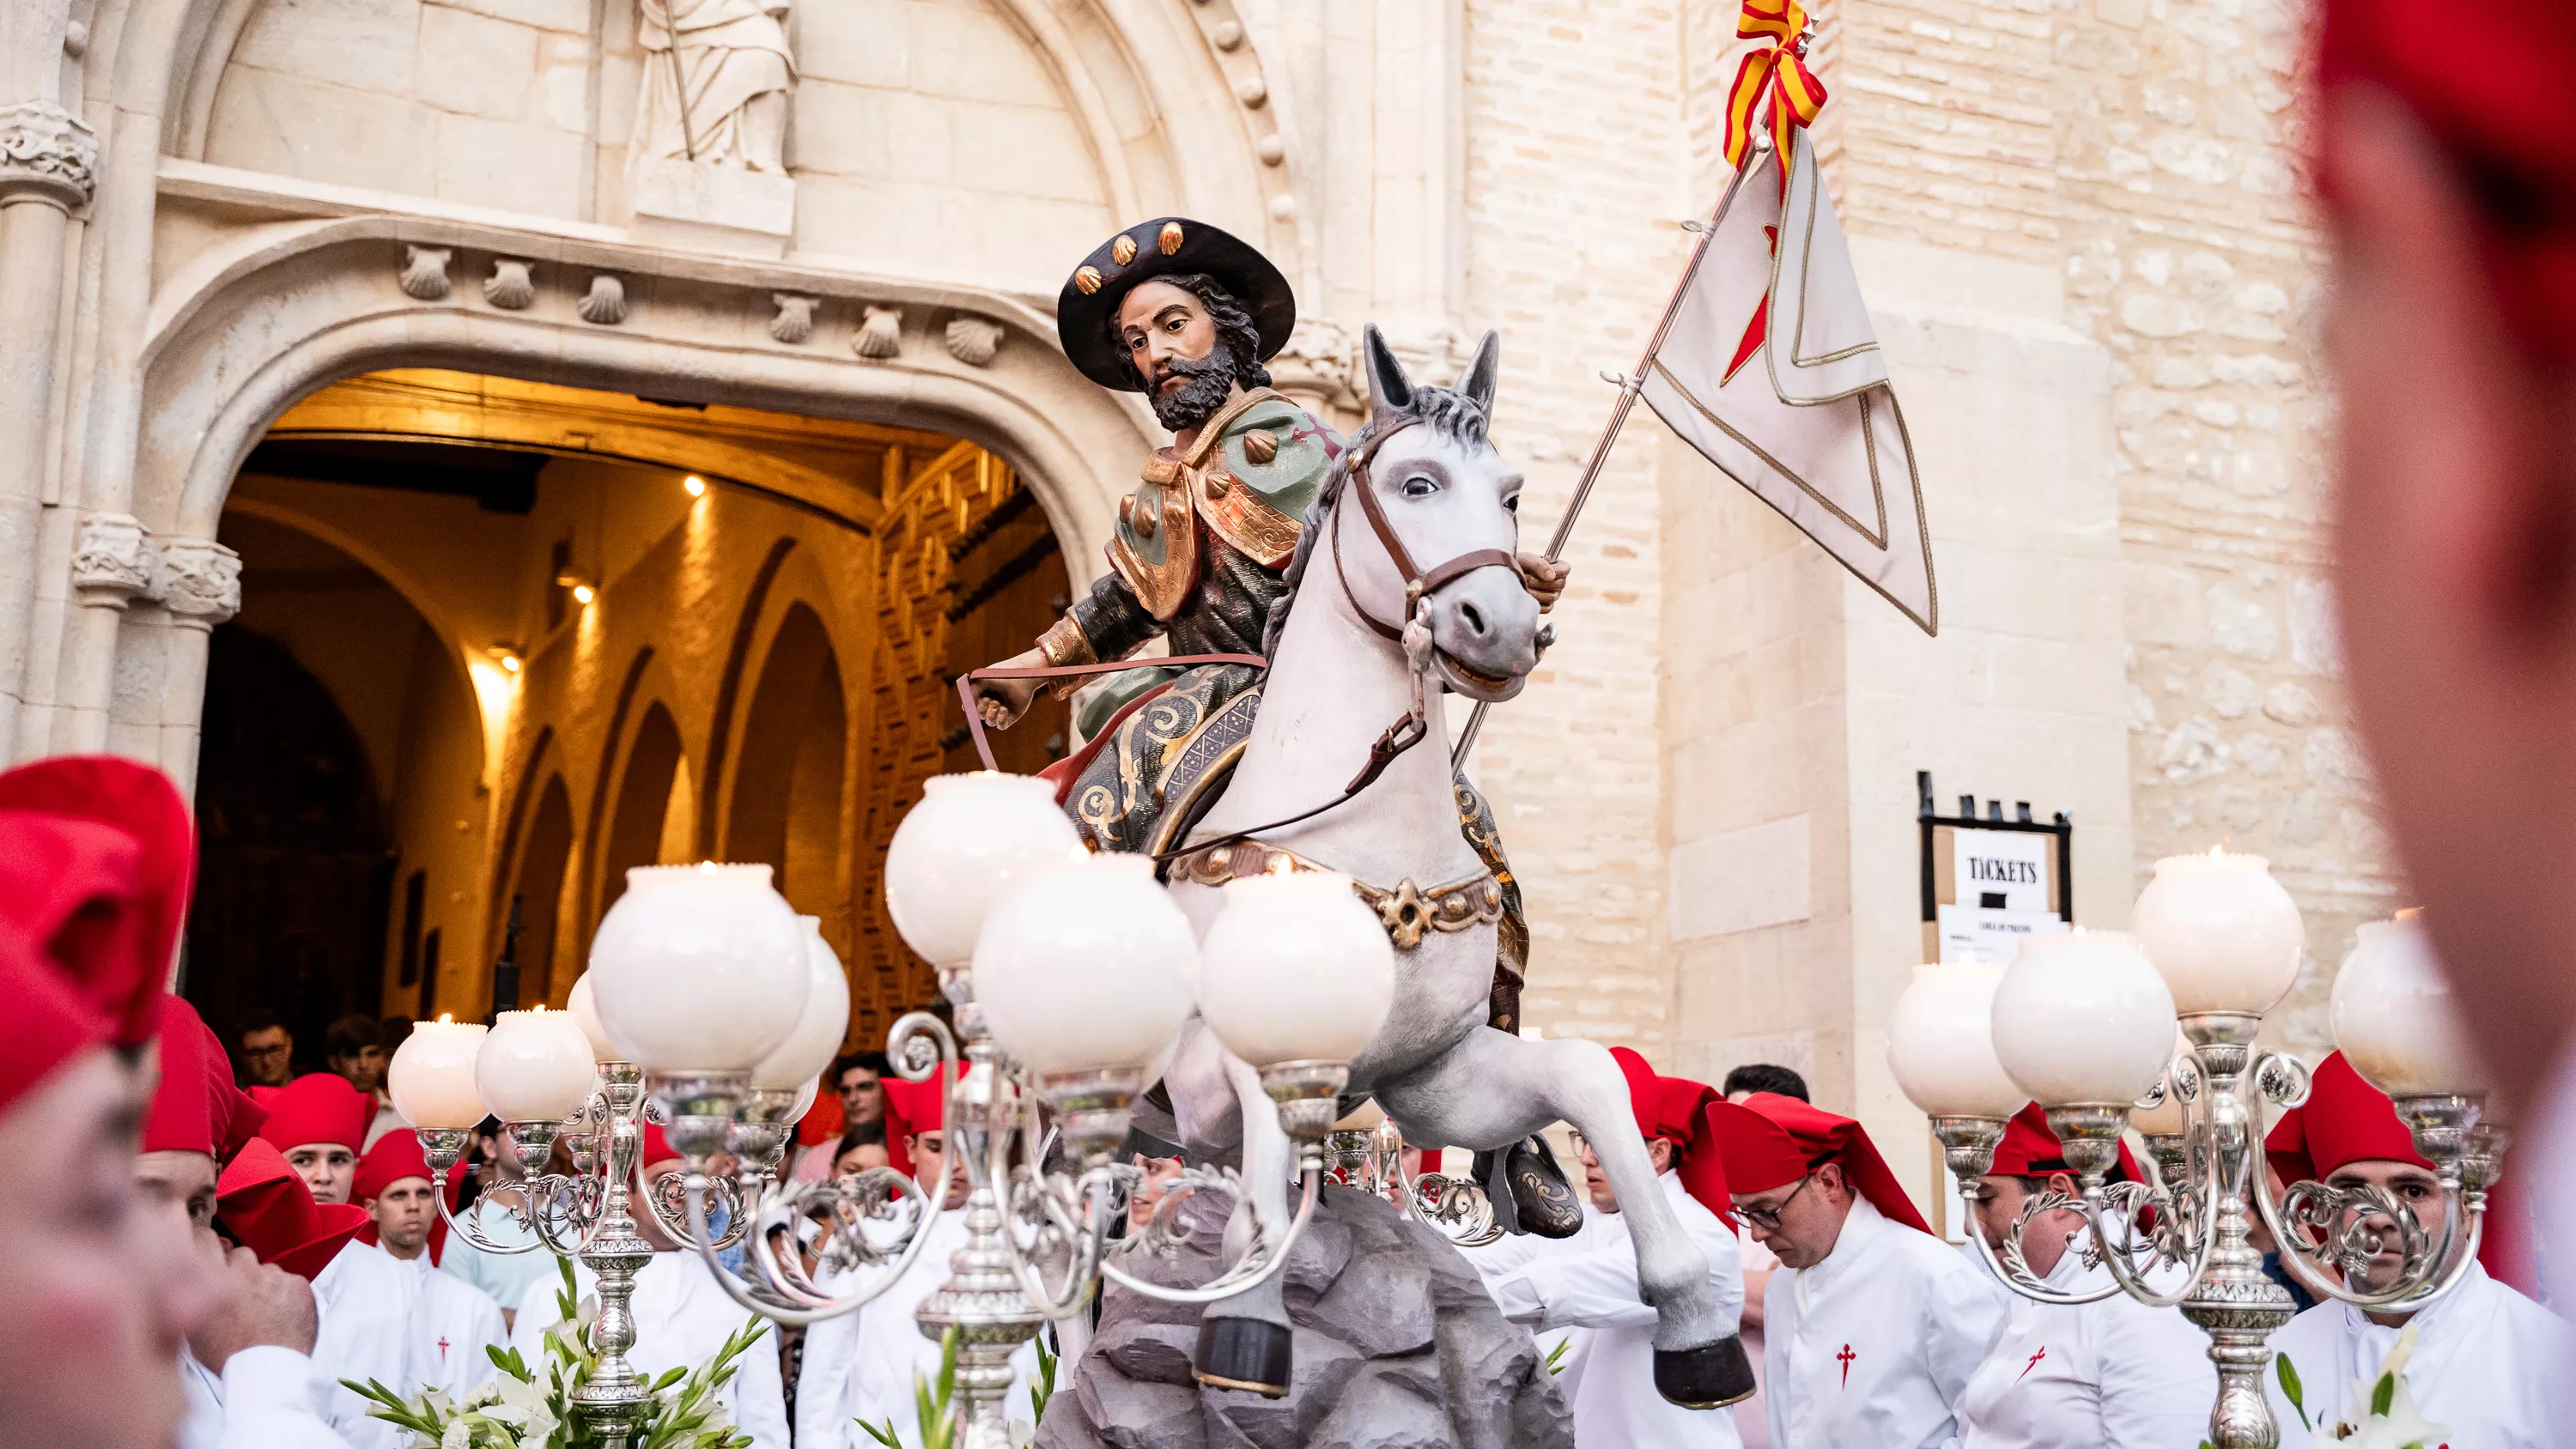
[[1529, 1191]]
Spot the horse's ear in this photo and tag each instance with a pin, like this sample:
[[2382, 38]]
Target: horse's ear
[[1477, 382], [1390, 391]]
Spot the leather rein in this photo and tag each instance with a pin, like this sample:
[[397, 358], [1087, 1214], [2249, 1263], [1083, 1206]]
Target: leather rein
[[1409, 730]]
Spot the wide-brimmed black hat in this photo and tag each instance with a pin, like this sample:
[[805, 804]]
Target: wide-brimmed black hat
[[1163, 246]]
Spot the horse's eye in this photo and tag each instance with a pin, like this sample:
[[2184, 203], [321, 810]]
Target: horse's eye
[[1513, 503], [1419, 486]]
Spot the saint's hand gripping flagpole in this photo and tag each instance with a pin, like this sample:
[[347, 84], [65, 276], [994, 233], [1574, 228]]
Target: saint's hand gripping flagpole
[[1815, 430]]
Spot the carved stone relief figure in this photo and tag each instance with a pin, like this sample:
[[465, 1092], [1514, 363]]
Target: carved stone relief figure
[[715, 84]]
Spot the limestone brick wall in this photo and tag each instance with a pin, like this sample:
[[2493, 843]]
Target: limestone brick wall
[[1574, 183], [2146, 152]]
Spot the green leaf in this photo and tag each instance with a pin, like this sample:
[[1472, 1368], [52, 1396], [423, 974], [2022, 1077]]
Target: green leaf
[[2383, 1394], [883, 1435], [1556, 1355], [1044, 1389], [2288, 1374]]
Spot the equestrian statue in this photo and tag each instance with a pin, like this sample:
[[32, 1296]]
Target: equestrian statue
[[1358, 580]]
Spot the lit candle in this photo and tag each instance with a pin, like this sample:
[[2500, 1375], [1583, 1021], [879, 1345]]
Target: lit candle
[[2082, 1019], [1941, 1043], [536, 1066], [1295, 968], [432, 1074], [2222, 931]]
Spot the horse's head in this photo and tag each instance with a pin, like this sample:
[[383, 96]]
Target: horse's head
[[1450, 504]]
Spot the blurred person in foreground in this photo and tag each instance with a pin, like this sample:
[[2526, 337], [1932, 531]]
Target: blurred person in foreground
[[109, 1273], [2448, 181], [1588, 1283]]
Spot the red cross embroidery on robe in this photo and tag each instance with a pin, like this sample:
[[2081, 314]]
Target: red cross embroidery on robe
[[1847, 1356], [2034, 1363], [442, 1348]]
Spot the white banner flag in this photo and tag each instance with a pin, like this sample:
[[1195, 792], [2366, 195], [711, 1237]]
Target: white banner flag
[[1771, 370]]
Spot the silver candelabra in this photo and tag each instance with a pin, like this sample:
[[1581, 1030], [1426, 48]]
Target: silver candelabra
[[2193, 1227]]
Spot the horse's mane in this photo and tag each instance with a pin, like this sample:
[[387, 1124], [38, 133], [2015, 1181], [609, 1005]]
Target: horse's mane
[[1454, 415]]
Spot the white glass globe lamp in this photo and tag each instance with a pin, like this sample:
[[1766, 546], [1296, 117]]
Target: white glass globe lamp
[[2394, 1018], [819, 1031], [2083, 1019], [961, 849], [585, 1014], [535, 1066], [2222, 931], [431, 1077], [1295, 968], [699, 969], [1088, 964], [1941, 1043]]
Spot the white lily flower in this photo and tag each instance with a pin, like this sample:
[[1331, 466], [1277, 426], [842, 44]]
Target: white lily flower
[[459, 1435]]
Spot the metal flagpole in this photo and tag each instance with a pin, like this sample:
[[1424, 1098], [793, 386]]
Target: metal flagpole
[[1629, 386]]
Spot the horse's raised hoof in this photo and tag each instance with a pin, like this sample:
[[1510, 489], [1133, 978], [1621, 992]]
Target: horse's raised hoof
[[1710, 1376], [1249, 1353]]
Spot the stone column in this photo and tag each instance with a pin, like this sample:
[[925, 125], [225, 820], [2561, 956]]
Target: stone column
[[200, 587], [47, 158], [113, 565]]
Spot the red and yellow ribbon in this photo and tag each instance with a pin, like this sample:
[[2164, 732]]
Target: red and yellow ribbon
[[1776, 71]]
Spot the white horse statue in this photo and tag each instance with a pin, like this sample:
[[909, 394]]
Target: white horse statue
[[1348, 654]]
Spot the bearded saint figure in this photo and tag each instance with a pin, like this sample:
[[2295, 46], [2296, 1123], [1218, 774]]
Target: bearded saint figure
[[716, 74]]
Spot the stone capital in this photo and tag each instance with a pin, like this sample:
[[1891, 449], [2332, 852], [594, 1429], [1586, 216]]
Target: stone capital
[[48, 153], [114, 563], [200, 581]]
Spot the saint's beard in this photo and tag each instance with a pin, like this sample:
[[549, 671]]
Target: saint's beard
[[1210, 383]]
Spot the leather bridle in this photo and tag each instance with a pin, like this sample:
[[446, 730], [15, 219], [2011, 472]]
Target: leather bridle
[[1419, 582]]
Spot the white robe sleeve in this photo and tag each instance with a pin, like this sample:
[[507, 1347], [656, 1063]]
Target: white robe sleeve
[[1964, 1312], [273, 1399], [757, 1397], [2157, 1379], [831, 1352]]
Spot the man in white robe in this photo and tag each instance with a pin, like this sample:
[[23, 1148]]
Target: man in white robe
[[2484, 1357], [453, 1323], [2115, 1374], [1871, 1324], [363, 1298], [861, 1366], [1588, 1283], [682, 1318]]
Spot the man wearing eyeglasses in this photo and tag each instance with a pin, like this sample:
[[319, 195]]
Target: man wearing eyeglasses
[[1872, 1325]]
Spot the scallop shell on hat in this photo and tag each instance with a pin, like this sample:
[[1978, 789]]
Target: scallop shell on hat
[[1087, 280], [1123, 250], [1170, 239]]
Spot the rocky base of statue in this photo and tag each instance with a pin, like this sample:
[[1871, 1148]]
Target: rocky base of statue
[[1397, 1347]]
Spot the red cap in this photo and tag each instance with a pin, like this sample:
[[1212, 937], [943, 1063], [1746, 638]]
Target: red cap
[[2344, 1120], [267, 1208], [2496, 86], [1675, 1110], [657, 1147], [2030, 1149], [60, 822], [317, 1107], [1769, 1140], [912, 1108], [822, 1122], [395, 1156], [196, 1107]]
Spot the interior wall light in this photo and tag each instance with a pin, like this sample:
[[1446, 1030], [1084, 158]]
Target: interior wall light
[[696, 485]]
